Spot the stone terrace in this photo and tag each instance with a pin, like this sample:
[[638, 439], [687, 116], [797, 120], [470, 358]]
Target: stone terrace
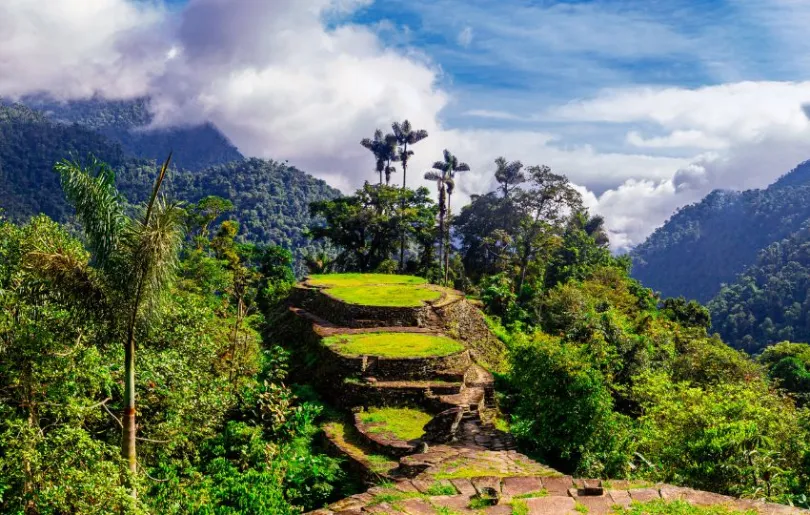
[[461, 464]]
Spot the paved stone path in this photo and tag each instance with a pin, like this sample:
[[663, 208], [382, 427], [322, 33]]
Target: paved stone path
[[462, 464]]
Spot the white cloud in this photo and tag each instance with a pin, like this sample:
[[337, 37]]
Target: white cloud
[[282, 85], [465, 37], [74, 48]]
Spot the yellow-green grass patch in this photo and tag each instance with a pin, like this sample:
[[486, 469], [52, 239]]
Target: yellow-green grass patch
[[402, 423], [335, 280], [349, 442], [386, 295], [393, 345], [678, 507]]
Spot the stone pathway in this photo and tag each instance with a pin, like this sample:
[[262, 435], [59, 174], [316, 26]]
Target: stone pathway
[[462, 464]]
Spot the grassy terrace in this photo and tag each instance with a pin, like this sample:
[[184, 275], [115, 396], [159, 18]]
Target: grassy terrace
[[393, 345], [348, 441], [350, 280], [377, 289], [407, 296], [403, 423]]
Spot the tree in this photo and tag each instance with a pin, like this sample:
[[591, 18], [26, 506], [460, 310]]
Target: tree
[[508, 174], [406, 135], [366, 226], [543, 207], [377, 146], [133, 261], [444, 176]]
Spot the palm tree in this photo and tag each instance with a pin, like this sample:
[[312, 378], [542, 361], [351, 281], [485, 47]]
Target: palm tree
[[508, 174], [133, 262], [445, 181], [377, 146], [405, 136], [390, 153]]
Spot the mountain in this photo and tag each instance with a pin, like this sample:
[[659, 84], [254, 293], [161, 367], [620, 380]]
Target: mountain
[[707, 244], [127, 123], [769, 301], [270, 199], [30, 144]]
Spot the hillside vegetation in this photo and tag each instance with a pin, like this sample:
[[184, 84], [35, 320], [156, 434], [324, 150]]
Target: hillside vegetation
[[270, 199], [708, 243]]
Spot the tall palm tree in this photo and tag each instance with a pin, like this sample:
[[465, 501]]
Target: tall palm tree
[[444, 174], [508, 174], [132, 263], [377, 146], [391, 154], [405, 136]]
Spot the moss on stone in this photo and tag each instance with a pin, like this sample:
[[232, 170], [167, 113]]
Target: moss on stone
[[335, 280], [402, 423], [390, 295], [393, 345]]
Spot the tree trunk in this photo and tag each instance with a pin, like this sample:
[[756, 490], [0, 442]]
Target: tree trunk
[[447, 247], [402, 214], [442, 209], [128, 441]]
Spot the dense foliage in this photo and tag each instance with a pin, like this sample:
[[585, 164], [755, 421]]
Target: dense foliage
[[218, 431], [604, 377], [768, 302], [127, 122], [270, 199], [708, 243]]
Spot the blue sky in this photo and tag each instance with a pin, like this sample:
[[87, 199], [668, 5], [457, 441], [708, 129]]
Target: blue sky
[[518, 56], [646, 105]]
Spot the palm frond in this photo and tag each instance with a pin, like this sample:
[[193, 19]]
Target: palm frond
[[432, 176], [462, 167], [69, 276], [439, 165], [417, 136], [154, 247], [98, 205]]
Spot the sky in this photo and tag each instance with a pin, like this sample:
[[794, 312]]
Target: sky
[[645, 105]]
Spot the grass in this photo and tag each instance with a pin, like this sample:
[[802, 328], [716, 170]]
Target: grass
[[391, 295], [633, 484], [393, 345], [334, 280], [519, 507], [661, 507], [581, 508], [393, 497], [380, 464], [529, 495], [403, 423]]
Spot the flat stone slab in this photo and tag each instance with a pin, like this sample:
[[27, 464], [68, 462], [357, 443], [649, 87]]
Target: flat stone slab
[[645, 494], [514, 486], [464, 486], [554, 505], [417, 507], [558, 485], [597, 505]]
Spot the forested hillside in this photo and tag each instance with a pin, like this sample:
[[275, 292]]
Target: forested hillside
[[708, 243], [769, 301], [271, 199], [126, 122]]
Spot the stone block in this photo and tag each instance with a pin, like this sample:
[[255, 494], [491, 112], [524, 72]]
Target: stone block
[[514, 486], [554, 505], [558, 485], [644, 494]]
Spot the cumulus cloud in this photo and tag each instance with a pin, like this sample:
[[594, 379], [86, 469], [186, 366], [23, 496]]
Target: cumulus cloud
[[283, 79]]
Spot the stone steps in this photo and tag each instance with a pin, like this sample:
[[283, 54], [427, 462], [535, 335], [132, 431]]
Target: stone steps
[[384, 442], [371, 465], [533, 495]]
